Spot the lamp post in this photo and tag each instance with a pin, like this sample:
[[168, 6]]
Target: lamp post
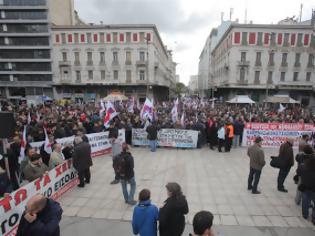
[[272, 51]]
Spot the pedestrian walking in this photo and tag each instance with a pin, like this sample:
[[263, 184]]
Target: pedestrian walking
[[145, 215], [82, 160], [172, 213], [257, 162], [287, 161]]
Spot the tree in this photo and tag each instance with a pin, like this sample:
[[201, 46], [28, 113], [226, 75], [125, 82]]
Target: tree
[[180, 88]]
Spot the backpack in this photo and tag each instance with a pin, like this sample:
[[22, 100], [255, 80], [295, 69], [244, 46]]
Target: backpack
[[120, 165]]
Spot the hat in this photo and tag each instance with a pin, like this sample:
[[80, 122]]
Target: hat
[[258, 139]]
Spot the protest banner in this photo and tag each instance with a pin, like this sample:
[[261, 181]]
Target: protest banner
[[52, 185], [167, 138], [100, 144], [274, 134]]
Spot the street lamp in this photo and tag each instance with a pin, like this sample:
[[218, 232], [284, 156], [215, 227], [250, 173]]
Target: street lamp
[[271, 51], [147, 67]]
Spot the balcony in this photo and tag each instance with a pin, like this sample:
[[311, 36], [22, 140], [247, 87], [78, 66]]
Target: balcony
[[141, 63], [297, 64], [258, 63], [256, 81], [242, 82], [271, 64], [284, 64], [89, 63], [243, 63], [64, 63], [310, 65], [77, 63], [128, 63]]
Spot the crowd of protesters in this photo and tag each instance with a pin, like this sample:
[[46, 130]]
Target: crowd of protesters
[[218, 125]]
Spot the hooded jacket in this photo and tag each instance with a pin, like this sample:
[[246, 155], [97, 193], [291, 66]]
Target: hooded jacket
[[144, 220], [171, 217]]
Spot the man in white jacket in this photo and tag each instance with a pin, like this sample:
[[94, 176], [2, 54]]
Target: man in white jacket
[[221, 136]]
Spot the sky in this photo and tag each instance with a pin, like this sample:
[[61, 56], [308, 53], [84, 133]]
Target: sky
[[184, 25]]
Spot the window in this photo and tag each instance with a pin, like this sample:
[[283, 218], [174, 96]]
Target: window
[[89, 58], [128, 37], [141, 75], [284, 62], [103, 74], [78, 75], [141, 56], [259, 38], [282, 76], [299, 40], [63, 38], [295, 76], [244, 38], [64, 56], [89, 37], [102, 58], [115, 74], [269, 81], [258, 59], [297, 60], [257, 75], [310, 62], [141, 37], [115, 37], [308, 76], [271, 59], [128, 76], [128, 58], [243, 56], [273, 39], [90, 73], [102, 37], [242, 74], [77, 58], [76, 37], [115, 57], [286, 40]]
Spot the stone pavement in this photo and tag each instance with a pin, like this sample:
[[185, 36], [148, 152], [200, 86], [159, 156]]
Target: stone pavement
[[210, 180]]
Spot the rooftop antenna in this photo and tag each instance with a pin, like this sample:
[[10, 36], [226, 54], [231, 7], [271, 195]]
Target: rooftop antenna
[[301, 9], [231, 13]]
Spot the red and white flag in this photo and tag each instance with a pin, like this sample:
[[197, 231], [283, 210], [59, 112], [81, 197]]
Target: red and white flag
[[182, 120], [110, 113], [147, 110], [102, 108], [29, 119], [47, 145], [23, 145], [175, 111]]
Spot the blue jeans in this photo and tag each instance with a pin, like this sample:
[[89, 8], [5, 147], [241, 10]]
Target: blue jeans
[[253, 175], [153, 145], [283, 173], [132, 182], [236, 140], [307, 198]]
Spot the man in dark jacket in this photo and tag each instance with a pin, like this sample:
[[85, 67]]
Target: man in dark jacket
[[82, 160], [41, 217], [152, 131], [307, 173], [13, 158], [257, 162], [127, 175], [287, 161]]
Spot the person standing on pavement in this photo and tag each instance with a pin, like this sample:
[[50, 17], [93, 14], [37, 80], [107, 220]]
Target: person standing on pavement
[[82, 160], [41, 217], [172, 213], [56, 157], [287, 161], [116, 148], [229, 134], [237, 132], [307, 173], [257, 162], [145, 215], [221, 137], [127, 174], [152, 131]]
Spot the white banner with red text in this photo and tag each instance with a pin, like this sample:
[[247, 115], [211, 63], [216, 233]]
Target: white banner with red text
[[100, 144], [53, 185], [274, 134]]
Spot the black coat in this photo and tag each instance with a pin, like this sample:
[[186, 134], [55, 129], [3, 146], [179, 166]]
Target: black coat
[[82, 156], [129, 166], [286, 155], [47, 222], [307, 173], [152, 132], [171, 216]]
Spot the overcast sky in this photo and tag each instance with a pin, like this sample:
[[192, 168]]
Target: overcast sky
[[185, 24]]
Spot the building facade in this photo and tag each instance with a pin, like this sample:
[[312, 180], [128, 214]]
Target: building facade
[[193, 84], [263, 60], [25, 57], [91, 61]]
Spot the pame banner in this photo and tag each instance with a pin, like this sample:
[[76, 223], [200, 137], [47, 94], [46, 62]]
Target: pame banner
[[180, 138], [274, 134], [53, 185], [100, 144]]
